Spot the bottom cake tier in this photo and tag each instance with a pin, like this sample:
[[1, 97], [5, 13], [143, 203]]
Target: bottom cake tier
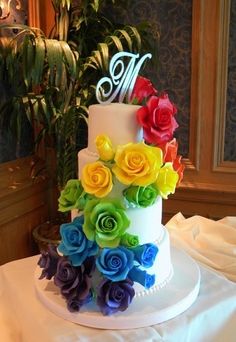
[[169, 301]]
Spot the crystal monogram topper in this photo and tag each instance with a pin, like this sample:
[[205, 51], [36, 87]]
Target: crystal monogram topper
[[122, 77]]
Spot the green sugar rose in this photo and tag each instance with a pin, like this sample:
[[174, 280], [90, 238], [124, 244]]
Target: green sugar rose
[[140, 196], [105, 222], [129, 240], [73, 196]]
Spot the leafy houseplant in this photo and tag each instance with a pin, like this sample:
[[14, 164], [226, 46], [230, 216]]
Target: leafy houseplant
[[56, 77], [58, 74]]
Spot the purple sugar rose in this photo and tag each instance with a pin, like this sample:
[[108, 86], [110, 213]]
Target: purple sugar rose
[[114, 296], [74, 243], [115, 263], [142, 277], [74, 303], [145, 254], [74, 282], [48, 261]]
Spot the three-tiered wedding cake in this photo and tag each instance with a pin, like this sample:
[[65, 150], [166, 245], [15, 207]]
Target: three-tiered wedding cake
[[116, 248]]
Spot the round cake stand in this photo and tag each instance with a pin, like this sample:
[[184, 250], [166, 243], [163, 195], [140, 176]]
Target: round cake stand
[[173, 299]]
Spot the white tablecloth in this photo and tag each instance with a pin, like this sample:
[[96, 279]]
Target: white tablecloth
[[23, 318], [213, 243]]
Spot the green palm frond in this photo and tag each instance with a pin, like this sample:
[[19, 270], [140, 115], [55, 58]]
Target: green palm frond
[[47, 59], [67, 150], [28, 57], [104, 51], [40, 52], [54, 58], [62, 3], [134, 34], [71, 57], [95, 5], [62, 8], [114, 40], [122, 40]]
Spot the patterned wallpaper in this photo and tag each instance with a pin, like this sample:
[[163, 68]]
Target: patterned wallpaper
[[10, 149], [18, 14], [230, 129], [173, 20]]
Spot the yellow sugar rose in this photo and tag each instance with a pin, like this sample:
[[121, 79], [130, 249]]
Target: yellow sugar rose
[[137, 164], [167, 180], [104, 147], [97, 179]]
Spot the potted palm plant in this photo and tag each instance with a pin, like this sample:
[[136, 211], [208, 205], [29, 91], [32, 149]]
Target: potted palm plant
[[58, 76]]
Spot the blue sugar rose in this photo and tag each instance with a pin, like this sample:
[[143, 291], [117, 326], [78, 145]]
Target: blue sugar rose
[[74, 243], [115, 263], [145, 254], [142, 277]]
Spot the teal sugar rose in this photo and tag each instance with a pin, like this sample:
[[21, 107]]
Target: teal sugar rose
[[115, 263], [73, 196], [140, 196], [74, 243], [105, 222]]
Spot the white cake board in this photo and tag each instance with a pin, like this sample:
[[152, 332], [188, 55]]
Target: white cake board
[[173, 299]]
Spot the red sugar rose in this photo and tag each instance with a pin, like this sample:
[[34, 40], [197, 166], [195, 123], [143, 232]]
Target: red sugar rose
[[157, 120], [170, 150], [143, 88], [179, 168], [170, 155]]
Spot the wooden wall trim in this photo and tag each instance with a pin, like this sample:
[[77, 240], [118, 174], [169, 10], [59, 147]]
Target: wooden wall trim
[[221, 82], [219, 165], [211, 187], [41, 14], [33, 13], [213, 203], [225, 166], [20, 191], [192, 162], [24, 204], [47, 16]]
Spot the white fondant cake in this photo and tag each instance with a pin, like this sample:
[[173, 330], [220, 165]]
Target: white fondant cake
[[115, 249], [118, 121]]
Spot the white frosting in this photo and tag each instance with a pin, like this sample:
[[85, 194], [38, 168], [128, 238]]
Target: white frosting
[[118, 121], [85, 157], [146, 222]]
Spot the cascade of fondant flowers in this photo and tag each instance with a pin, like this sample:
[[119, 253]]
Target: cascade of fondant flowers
[[98, 238]]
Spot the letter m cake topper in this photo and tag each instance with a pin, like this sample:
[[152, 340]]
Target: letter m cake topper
[[122, 77]]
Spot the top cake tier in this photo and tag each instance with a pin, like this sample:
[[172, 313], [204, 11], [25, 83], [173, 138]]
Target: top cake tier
[[117, 120]]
